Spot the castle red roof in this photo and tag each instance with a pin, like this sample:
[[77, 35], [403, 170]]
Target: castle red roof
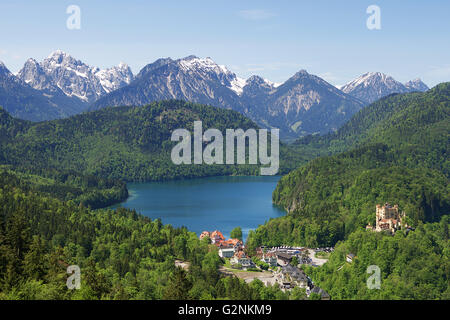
[[217, 235]]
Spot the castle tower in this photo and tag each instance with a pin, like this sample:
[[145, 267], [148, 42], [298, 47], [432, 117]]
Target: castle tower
[[388, 218]]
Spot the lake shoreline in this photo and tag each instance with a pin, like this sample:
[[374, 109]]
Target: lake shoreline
[[208, 203]]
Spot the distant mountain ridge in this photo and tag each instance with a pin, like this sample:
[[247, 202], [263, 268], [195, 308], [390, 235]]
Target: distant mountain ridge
[[57, 87], [304, 104], [24, 102], [372, 86]]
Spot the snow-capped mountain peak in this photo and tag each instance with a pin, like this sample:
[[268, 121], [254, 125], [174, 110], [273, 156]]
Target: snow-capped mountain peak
[[57, 53], [369, 79], [33, 74], [372, 86], [257, 80], [416, 85], [5, 74], [114, 78], [206, 67], [237, 85], [73, 77], [193, 63]]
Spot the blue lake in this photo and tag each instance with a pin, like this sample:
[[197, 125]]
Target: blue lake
[[217, 203]]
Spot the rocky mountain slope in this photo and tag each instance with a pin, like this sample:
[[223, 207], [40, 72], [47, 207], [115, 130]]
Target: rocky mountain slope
[[372, 86], [24, 102], [73, 77], [302, 105]]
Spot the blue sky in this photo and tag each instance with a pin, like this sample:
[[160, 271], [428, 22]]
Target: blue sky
[[273, 39]]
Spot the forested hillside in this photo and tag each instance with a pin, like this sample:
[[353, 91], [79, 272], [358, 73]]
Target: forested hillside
[[131, 144], [401, 157], [412, 266], [331, 197], [416, 123], [88, 190]]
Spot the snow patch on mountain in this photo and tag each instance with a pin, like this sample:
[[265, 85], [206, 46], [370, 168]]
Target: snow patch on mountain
[[74, 77], [237, 85], [372, 86], [114, 78], [416, 85]]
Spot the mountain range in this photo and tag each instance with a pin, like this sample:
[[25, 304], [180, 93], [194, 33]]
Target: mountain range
[[372, 86], [304, 104], [24, 102], [57, 87], [73, 77], [60, 86]]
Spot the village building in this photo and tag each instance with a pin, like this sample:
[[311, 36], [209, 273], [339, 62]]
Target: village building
[[235, 243], [322, 293], [217, 237], [283, 259], [293, 276], [226, 252], [241, 258], [270, 258], [259, 252]]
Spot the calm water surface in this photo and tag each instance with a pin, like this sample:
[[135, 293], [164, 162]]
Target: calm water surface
[[220, 203]]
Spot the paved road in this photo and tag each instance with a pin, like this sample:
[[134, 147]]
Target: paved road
[[315, 260]]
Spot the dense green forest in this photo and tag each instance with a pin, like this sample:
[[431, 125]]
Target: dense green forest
[[331, 197], [90, 191], [126, 143], [121, 254], [412, 266]]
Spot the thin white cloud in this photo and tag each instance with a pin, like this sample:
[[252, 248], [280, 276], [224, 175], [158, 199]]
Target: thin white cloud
[[256, 14]]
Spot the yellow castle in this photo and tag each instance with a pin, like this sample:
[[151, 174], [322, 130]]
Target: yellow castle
[[388, 218]]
